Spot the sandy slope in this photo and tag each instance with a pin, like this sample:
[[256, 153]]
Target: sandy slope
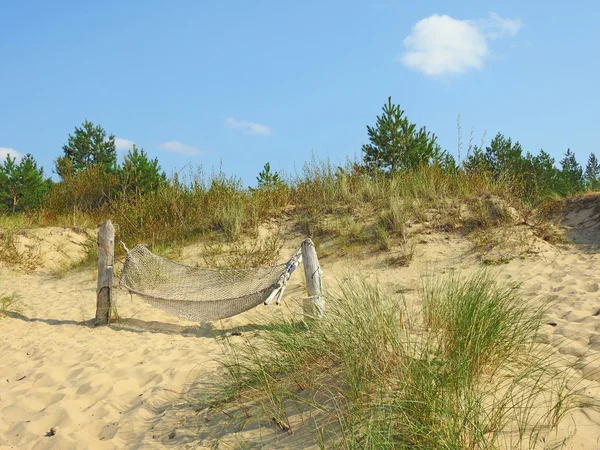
[[106, 388]]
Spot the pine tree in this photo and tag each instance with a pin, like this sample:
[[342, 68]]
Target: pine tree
[[267, 179], [592, 173], [22, 186], [503, 157], [541, 177], [571, 174], [397, 144], [140, 174], [88, 147]]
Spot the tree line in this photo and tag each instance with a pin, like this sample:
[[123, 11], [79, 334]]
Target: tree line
[[90, 175], [88, 152], [396, 144]]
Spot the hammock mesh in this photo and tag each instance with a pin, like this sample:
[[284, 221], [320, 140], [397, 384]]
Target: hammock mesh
[[200, 294]]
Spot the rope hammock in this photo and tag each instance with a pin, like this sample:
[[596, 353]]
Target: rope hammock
[[201, 294]]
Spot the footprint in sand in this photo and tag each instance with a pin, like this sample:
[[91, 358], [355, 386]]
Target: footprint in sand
[[591, 371], [591, 287], [571, 282]]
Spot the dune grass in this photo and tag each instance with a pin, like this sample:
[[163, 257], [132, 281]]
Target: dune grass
[[8, 302], [350, 207], [351, 210], [463, 373]]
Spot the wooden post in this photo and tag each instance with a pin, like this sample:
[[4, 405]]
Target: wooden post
[[313, 305], [106, 260]]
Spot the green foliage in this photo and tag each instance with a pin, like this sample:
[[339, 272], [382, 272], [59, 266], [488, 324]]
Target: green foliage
[[22, 185], [501, 158], [592, 173], [476, 162], [544, 177], [139, 174], [533, 177], [8, 303], [88, 147], [375, 374], [267, 179], [504, 157], [88, 191], [481, 321], [397, 144], [571, 175]]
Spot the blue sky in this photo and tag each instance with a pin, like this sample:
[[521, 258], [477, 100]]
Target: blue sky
[[240, 83]]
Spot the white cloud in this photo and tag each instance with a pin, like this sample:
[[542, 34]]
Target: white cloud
[[4, 151], [442, 45], [123, 144], [178, 147], [498, 27], [248, 127]]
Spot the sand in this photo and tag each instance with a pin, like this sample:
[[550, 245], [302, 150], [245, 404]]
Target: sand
[[114, 387]]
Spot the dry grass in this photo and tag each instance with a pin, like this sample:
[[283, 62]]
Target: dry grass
[[352, 210], [18, 251], [255, 252]]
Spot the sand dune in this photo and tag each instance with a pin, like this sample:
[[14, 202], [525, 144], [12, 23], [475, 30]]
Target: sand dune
[[108, 387]]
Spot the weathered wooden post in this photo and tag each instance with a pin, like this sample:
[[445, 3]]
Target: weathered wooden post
[[313, 306], [106, 261]]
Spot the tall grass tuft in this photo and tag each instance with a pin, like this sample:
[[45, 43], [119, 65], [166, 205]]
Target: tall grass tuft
[[464, 374], [8, 303], [479, 322]]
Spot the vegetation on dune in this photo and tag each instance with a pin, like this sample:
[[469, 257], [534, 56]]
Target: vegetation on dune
[[8, 303], [22, 185], [87, 147], [403, 178], [466, 373], [396, 144]]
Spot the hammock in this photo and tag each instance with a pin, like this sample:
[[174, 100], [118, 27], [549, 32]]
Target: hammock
[[200, 294]]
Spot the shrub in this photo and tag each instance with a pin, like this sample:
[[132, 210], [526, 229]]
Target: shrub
[[89, 190]]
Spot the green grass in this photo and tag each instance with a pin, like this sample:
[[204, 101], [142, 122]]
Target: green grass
[[466, 373], [17, 220], [8, 303]]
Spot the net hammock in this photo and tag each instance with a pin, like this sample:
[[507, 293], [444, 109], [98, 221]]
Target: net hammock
[[201, 294]]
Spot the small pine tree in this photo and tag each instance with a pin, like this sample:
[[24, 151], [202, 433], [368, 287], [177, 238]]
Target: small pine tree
[[544, 176], [592, 173], [88, 147], [571, 174], [22, 186], [140, 174], [397, 144], [503, 157], [267, 179], [476, 162]]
